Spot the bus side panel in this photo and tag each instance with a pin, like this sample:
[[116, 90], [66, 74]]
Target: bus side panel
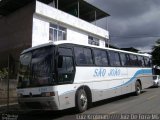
[[107, 81], [142, 74], [66, 94], [127, 83], [126, 87], [105, 89], [133, 75], [147, 79], [102, 84]]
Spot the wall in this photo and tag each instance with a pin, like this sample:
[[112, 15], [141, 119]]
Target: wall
[[57, 15], [40, 32], [77, 36], [15, 33]]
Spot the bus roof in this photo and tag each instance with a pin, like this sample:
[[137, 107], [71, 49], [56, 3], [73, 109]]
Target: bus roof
[[92, 46]]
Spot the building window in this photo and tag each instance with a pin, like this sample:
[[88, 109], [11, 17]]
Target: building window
[[57, 32], [93, 41]]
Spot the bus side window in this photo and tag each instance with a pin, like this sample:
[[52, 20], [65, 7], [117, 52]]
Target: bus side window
[[114, 58], [82, 59], [147, 62], [100, 58], [134, 60], [65, 66], [69, 64], [124, 59], [83, 56], [150, 62], [65, 63], [141, 61], [60, 62], [128, 63]]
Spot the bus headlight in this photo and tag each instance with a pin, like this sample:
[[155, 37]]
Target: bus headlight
[[48, 94]]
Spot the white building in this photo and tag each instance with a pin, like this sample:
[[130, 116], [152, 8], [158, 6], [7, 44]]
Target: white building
[[51, 24]]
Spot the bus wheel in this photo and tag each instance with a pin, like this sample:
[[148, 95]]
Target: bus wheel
[[137, 88], [81, 100]]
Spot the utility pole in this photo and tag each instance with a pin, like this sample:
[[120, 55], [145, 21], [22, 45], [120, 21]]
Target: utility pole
[[8, 83]]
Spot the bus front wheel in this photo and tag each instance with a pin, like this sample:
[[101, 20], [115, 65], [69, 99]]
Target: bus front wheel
[[81, 101], [137, 88]]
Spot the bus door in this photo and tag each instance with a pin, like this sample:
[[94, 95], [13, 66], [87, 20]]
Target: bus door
[[65, 65]]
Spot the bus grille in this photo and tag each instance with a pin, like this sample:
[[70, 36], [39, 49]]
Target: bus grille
[[34, 105]]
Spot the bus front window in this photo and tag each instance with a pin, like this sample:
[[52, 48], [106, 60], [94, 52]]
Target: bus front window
[[38, 70], [24, 71]]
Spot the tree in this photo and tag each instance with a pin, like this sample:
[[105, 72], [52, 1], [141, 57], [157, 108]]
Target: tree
[[156, 53], [3, 73]]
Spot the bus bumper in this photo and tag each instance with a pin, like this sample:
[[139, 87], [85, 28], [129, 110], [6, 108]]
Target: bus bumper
[[39, 103]]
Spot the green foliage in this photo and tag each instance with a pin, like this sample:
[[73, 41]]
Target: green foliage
[[3, 73], [156, 53], [158, 42]]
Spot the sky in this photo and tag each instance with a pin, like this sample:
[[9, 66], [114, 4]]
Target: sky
[[133, 23]]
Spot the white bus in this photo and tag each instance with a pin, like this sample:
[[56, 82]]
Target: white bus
[[61, 75]]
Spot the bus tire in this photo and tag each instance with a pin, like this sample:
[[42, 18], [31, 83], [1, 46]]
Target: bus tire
[[81, 101], [138, 88]]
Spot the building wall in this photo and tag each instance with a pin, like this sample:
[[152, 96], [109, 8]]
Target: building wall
[[40, 32], [77, 30], [16, 32], [77, 36]]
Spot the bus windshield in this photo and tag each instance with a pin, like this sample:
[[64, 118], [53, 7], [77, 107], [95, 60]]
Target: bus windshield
[[36, 68]]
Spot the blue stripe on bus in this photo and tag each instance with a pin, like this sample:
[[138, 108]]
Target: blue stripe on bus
[[139, 72]]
